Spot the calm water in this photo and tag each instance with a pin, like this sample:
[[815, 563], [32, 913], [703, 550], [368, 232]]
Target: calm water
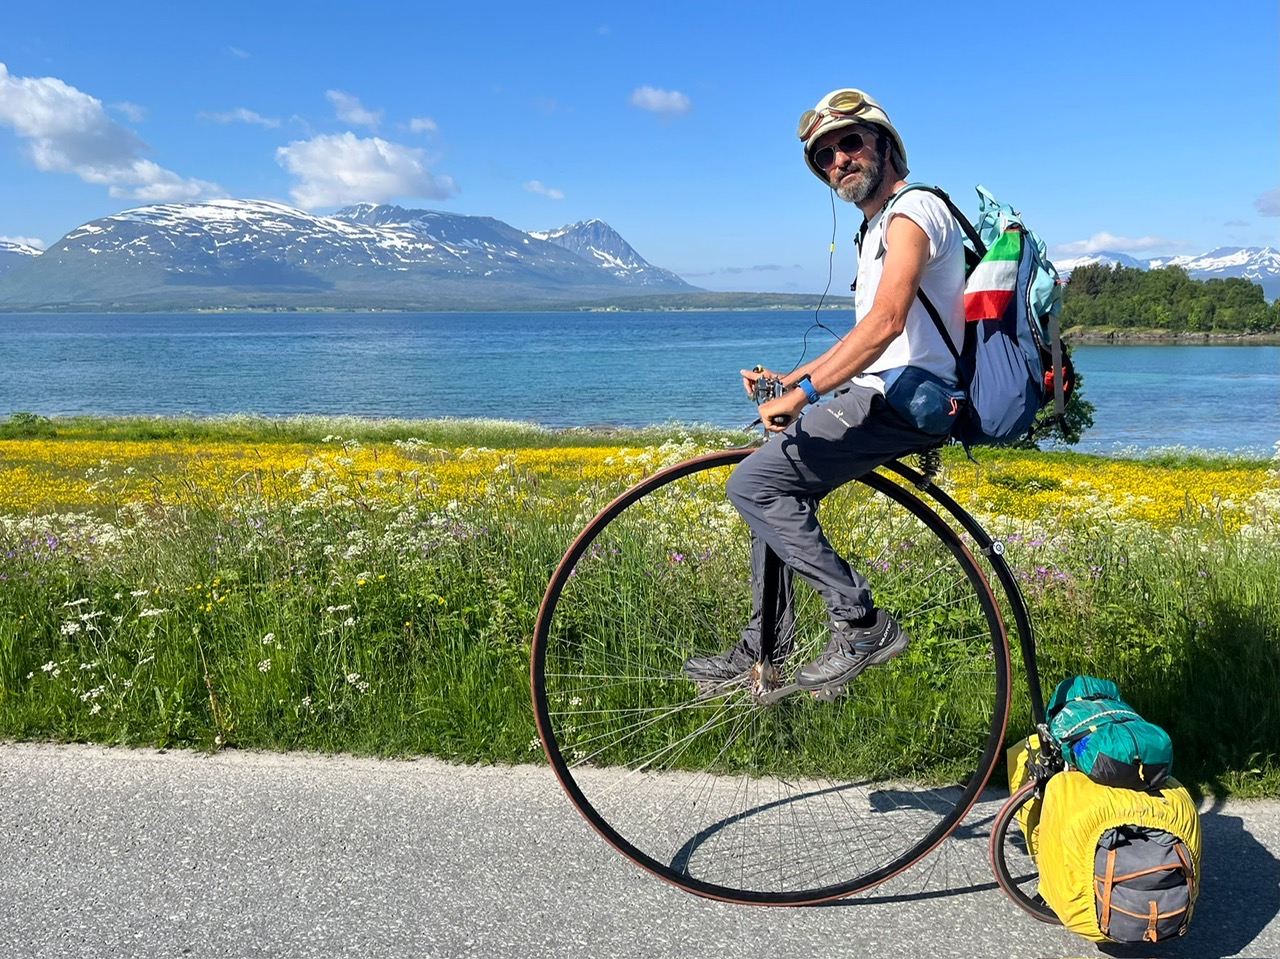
[[557, 369]]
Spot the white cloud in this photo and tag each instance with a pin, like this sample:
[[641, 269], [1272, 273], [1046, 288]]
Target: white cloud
[[423, 125], [534, 186], [69, 131], [342, 168], [740, 270], [238, 53], [670, 102], [350, 110], [241, 115], [30, 241], [132, 112], [1268, 204], [1100, 242]]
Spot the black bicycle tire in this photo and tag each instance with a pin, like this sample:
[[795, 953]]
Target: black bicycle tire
[[1001, 665], [1005, 819]]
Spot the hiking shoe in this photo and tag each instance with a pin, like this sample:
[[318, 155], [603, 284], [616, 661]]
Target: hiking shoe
[[852, 649], [722, 667]]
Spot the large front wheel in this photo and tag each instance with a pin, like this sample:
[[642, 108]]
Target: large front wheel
[[797, 799]]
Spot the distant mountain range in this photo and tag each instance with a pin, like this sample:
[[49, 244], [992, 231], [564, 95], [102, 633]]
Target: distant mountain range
[[1259, 264], [253, 253], [244, 253]]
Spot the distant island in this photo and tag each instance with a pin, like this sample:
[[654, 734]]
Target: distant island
[[1108, 303]]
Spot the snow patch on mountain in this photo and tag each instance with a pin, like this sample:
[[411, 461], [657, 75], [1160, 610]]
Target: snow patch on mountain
[[1261, 265], [216, 251], [596, 241], [1065, 266], [13, 253]]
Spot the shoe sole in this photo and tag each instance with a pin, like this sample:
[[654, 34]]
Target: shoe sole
[[878, 658]]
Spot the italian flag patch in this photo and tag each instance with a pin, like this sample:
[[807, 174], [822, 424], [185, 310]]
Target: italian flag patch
[[989, 290]]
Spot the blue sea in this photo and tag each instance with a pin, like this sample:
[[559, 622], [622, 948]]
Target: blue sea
[[559, 369]]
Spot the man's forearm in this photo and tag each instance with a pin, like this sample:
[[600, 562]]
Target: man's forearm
[[858, 350]]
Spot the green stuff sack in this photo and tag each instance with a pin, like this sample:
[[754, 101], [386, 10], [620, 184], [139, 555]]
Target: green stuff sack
[[1118, 865], [1104, 737]]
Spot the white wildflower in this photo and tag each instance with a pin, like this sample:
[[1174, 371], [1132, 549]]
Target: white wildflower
[[264, 666]]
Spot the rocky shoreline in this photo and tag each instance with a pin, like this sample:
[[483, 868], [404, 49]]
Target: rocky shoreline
[[1104, 337]]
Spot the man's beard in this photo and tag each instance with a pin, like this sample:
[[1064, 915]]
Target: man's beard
[[872, 175]]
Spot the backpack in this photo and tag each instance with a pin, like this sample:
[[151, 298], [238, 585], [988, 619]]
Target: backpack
[[1013, 361], [1104, 737], [1116, 864]]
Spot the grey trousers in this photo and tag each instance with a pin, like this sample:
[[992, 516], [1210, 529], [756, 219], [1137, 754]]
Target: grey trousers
[[778, 487]]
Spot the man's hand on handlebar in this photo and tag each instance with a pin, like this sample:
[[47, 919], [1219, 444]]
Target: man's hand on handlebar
[[750, 378], [777, 414]]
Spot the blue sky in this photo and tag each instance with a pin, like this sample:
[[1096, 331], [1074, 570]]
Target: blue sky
[[1143, 128]]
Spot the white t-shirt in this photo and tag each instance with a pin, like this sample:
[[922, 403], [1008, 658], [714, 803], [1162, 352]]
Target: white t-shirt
[[920, 344]]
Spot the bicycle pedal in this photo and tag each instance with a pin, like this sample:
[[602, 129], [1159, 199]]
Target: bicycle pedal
[[829, 694]]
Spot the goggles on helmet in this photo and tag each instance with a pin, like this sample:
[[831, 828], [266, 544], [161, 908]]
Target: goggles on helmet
[[845, 103]]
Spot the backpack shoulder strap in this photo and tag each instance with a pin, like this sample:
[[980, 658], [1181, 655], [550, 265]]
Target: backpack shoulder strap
[[972, 257], [946, 337], [974, 252]]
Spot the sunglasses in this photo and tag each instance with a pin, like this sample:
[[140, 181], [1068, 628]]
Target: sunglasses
[[846, 103], [848, 145]]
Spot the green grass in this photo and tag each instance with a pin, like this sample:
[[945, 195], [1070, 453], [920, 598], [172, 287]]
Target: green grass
[[340, 625], [451, 433]]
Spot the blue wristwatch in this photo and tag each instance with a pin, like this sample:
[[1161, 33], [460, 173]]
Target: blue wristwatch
[[810, 393]]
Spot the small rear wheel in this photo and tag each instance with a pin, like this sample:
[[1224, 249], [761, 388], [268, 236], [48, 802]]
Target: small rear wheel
[[1015, 853]]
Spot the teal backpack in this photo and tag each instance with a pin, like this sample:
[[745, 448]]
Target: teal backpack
[[1012, 361], [1105, 738]]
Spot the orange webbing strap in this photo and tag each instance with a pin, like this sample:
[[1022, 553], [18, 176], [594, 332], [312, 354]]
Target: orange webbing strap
[[1141, 915], [1150, 934], [1108, 884], [1125, 877], [1190, 872]]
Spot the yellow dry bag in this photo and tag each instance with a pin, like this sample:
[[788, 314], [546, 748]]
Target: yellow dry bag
[[1119, 865]]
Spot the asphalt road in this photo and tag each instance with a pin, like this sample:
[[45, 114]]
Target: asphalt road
[[122, 853]]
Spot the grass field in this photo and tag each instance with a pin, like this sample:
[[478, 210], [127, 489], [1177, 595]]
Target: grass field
[[371, 586]]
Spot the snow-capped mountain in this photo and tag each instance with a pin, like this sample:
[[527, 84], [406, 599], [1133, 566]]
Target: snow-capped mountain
[[1065, 266], [241, 252], [597, 241], [1259, 264], [12, 253]]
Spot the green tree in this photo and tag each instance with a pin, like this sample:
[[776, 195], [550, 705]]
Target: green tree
[[1164, 299]]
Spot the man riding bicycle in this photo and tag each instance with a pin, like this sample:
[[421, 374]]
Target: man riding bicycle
[[885, 385]]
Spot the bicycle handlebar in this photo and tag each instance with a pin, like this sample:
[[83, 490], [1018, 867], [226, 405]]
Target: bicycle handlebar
[[767, 388]]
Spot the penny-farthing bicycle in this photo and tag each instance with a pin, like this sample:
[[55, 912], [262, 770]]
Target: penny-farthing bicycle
[[756, 791]]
